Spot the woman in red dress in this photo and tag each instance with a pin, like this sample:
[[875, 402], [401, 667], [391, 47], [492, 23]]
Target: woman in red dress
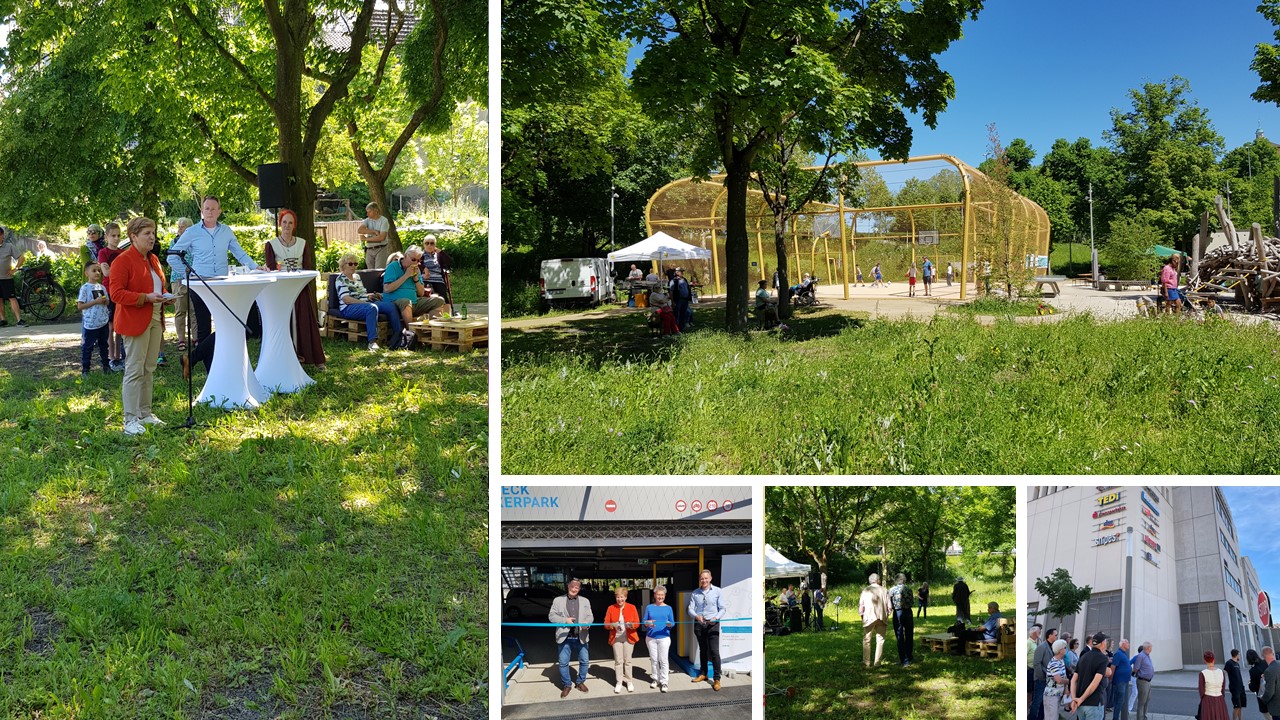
[[288, 252]]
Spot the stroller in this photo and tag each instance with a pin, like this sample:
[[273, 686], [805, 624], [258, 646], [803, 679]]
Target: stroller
[[806, 296]]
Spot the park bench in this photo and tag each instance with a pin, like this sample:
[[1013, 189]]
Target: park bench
[[1119, 285], [1052, 282]]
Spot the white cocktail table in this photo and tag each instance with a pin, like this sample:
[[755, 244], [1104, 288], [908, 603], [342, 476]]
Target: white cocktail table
[[278, 367], [231, 382]]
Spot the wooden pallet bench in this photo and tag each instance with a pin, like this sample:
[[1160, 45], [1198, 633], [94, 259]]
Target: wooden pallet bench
[[940, 642], [463, 336], [338, 327]]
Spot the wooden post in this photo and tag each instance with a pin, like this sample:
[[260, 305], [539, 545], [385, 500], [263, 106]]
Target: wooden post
[[1227, 226]]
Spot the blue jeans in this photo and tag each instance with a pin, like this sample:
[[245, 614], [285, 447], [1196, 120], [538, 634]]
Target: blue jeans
[[567, 649], [1037, 700], [1089, 712], [1120, 702], [368, 312], [90, 339]]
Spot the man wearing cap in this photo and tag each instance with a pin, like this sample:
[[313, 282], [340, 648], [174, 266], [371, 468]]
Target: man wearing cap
[[873, 606], [572, 609], [1086, 683]]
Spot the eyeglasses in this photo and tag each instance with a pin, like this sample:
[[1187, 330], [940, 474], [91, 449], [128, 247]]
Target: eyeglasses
[[429, 244], [345, 264]]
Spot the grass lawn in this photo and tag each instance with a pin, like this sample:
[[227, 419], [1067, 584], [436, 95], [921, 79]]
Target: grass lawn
[[826, 668], [323, 556], [844, 395]]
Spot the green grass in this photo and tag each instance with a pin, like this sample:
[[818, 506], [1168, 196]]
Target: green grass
[[826, 668], [997, 307], [315, 558], [840, 395], [470, 285], [1070, 259]]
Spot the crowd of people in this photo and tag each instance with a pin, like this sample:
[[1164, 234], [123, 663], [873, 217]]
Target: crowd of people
[[572, 615], [672, 302]]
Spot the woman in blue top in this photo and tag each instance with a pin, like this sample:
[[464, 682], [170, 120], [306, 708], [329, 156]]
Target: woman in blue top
[[658, 620]]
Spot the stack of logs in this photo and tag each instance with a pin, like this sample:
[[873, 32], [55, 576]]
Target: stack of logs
[[1249, 269]]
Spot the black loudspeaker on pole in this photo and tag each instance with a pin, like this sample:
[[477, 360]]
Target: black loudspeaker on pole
[[273, 185]]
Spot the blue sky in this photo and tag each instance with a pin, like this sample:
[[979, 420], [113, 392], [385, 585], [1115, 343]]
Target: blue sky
[[1045, 70], [1253, 510]]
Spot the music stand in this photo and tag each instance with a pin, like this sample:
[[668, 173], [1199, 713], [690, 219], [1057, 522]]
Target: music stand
[[836, 602]]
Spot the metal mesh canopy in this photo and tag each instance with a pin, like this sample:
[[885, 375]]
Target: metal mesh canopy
[[971, 225]]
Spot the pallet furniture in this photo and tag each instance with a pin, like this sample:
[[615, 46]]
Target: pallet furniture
[[940, 642], [337, 327], [460, 335], [998, 650]]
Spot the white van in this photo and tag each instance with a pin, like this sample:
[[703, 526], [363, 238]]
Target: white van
[[580, 280]]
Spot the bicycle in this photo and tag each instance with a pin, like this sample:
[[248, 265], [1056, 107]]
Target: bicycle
[[38, 293]]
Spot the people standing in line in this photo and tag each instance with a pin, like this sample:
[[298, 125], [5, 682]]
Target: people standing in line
[[1270, 700], [574, 612], [1040, 677], [1073, 654], [923, 596], [373, 231], [92, 304], [903, 622], [658, 620], [137, 286], [706, 607], [873, 606], [1087, 700], [205, 246], [1033, 642], [928, 275], [1120, 681], [806, 605], [288, 252], [1056, 685], [1235, 682], [1212, 684], [1143, 670], [622, 620], [819, 604], [960, 596], [1257, 668]]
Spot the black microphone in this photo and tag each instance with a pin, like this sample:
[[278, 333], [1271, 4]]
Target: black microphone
[[180, 253]]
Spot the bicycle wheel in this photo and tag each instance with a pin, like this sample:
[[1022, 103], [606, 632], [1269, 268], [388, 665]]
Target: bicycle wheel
[[45, 299]]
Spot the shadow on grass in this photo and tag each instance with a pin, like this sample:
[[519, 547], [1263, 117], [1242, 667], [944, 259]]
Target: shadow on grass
[[623, 336]]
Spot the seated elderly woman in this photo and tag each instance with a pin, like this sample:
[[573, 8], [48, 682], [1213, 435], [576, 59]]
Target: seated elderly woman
[[355, 303]]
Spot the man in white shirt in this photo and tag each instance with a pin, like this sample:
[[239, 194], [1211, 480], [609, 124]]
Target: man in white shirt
[[873, 606]]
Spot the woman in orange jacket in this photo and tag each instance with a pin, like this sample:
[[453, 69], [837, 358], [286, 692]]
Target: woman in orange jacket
[[136, 286], [622, 619]]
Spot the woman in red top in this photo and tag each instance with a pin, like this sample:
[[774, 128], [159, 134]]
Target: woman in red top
[[622, 619], [136, 286]]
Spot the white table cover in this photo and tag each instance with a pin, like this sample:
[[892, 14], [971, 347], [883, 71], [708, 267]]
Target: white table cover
[[231, 382], [278, 367]]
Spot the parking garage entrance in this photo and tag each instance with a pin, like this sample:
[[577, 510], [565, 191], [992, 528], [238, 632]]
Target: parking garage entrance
[[610, 537]]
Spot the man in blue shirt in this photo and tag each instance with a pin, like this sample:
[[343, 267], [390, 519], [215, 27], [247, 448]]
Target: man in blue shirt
[[1144, 670], [206, 246], [1120, 681], [991, 628], [706, 607]]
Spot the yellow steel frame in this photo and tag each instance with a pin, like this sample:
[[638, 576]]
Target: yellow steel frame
[[979, 208]]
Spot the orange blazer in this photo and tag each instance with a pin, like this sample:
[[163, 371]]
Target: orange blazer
[[628, 615], [130, 280]]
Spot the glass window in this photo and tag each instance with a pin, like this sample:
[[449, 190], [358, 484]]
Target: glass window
[[1222, 511], [1226, 544], [1200, 631], [1232, 582], [1102, 613]]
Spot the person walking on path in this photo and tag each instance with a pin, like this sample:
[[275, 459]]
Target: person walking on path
[[873, 606], [1144, 670]]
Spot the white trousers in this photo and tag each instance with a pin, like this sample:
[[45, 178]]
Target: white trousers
[[659, 648]]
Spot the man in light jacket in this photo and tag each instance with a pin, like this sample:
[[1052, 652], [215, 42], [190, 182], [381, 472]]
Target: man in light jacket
[[572, 609], [873, 606]]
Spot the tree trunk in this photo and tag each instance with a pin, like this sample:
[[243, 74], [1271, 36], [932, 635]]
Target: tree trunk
[[378, 193], [736, 246], [780, 247]]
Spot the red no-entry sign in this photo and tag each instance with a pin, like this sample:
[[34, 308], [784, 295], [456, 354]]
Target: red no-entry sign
[[610, 506]]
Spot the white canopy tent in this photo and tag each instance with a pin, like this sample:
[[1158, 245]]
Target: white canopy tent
[[661, 247], [776, 565]]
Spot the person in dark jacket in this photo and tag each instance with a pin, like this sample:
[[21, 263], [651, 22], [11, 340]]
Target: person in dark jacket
[[1235, 683], [806, 605], [960, 596], [922, 593], [1257, 666]]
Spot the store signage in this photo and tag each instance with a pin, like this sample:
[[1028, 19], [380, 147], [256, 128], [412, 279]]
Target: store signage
[[1152, 494], [1147, 526], [1151, 543], [1264, 609], [1109, 511], [1109, 498], [1150, 558], [1146, 501], [520, 497], [1106, 539], [1150, 515], [1108, 525], [1104, 488]]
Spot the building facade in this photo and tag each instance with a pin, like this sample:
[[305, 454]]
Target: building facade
[[1163, 563]]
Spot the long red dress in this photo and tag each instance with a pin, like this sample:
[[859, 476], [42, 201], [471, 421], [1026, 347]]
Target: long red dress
[[1214, 707], [306, 326]]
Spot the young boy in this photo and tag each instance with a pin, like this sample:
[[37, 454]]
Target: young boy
[[115, 345], [92, 304]]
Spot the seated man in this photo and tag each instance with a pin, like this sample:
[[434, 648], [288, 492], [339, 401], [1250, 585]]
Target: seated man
[[766, 305], [991, 628], [402, 285], [354, 303]]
